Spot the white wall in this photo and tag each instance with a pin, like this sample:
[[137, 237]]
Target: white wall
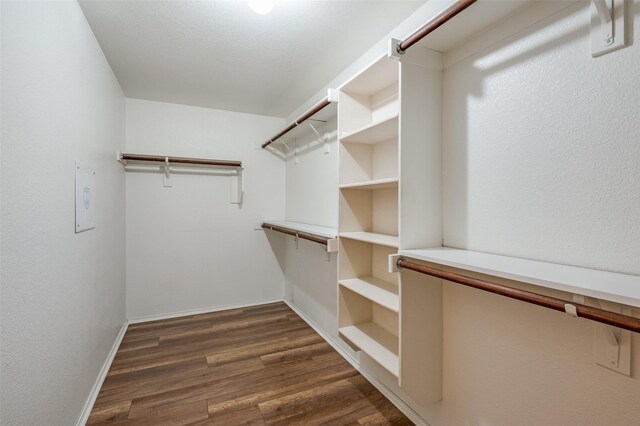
[[63, 295], [312, 183], [188, 247], [541, 149], [312, 197]]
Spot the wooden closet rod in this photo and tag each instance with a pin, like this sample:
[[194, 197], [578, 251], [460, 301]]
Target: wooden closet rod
[[434, 24], [180, 160], [304, 235], [575, 309], [323, 103]]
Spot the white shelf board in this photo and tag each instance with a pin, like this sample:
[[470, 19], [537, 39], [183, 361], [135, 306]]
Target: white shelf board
[[378, 291], [372, 184], [371, 237], [610, 286], [376, 342], [374, 133], [379, 75], [322, 231]]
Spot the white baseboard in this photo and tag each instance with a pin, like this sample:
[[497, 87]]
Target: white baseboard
[[388, 393], [201, 311], [88, 405]]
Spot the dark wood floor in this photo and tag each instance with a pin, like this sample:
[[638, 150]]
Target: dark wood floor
[[258, 365]]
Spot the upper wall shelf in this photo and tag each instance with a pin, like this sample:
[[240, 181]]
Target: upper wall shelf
[[610, 286], [374, 133], [318, 234], [322, 231]]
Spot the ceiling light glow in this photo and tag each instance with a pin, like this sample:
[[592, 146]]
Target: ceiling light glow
[[261, 7]]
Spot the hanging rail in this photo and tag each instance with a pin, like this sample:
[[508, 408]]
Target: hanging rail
[[332, 96], [304, 235], [179, 160], [574, 309], [323, 103], [433, 24]]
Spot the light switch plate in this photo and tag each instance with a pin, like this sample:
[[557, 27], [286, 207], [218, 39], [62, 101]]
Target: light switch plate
[[85, 198]]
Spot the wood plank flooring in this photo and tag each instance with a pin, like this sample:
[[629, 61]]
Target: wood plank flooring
[[261, 365]]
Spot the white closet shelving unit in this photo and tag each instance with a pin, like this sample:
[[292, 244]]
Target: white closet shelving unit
[[389, 199]]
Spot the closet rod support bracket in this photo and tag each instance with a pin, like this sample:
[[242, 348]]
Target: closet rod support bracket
[[332, 245], [332, 95], [611, 345], [393, 49], [120, 159], [393, 263], [166, 178], [608, 32], [322, 139]]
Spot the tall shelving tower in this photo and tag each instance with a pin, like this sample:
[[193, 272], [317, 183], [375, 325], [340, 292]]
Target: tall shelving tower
[[389, 128]]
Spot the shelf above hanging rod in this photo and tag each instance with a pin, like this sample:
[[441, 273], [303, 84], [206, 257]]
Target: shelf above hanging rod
[[332, 97], [124, 158], [317, 234], [574, 309]]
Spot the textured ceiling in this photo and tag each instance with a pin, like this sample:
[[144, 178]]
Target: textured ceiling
[[221, 54]]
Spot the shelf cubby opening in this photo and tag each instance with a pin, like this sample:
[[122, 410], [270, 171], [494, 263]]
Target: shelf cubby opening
[[368, 162], [373, 210], [370, 328], [359, 259], [367, 111]]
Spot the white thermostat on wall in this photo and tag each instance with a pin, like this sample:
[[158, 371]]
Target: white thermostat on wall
[[85, 198]]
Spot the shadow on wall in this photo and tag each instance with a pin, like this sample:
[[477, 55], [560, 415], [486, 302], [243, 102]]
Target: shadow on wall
[[311, 283], [277, 242], [533, 42]]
